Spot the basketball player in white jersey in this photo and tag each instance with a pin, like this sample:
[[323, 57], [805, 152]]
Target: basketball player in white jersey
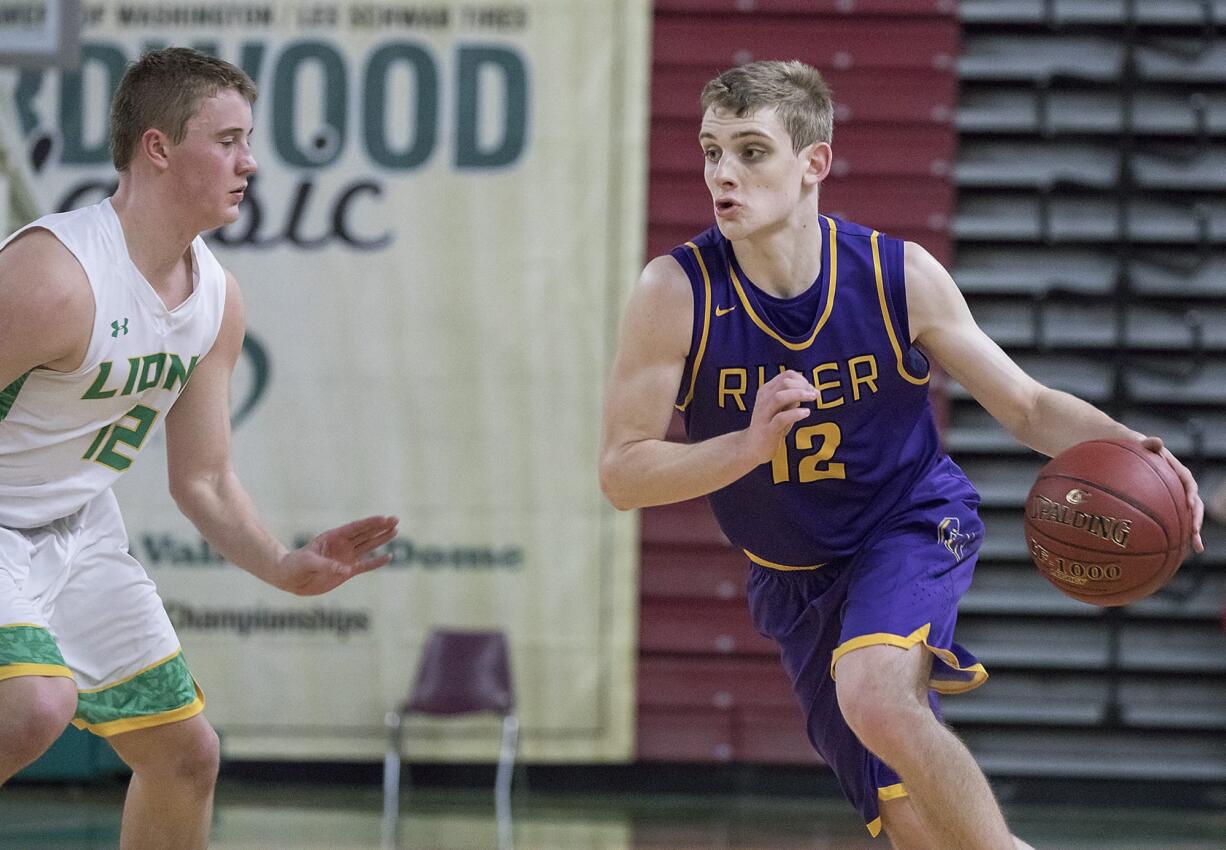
[[116, 320]]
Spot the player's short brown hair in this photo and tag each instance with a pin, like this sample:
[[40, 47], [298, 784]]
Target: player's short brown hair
[[163, 89], [796, 90]]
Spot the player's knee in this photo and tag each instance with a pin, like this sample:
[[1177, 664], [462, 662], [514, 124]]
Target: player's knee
[[34, 721], [883, 718], [875, 722], [199, 761], [194, 760]]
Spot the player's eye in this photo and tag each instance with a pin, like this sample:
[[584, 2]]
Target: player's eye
[[712, 154]]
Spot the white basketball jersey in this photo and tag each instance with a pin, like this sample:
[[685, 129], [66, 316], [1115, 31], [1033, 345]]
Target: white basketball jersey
[[66, 436]]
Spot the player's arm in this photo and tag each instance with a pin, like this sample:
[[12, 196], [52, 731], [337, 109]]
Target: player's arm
[[1038, 416], [208, 492], [638, 467], [46, 307]]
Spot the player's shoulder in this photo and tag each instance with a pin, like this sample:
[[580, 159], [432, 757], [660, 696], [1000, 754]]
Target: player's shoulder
[[664, 271], [920, 265], [664, 282], [38, 267], [662, 297], [36, 242]]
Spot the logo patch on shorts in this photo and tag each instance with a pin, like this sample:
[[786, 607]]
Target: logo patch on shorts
[[949, 532]]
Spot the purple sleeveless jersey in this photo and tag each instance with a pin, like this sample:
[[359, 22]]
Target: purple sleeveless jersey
[[871, 435]]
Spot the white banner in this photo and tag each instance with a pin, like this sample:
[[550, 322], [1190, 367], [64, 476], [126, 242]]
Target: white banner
[[448, 210]]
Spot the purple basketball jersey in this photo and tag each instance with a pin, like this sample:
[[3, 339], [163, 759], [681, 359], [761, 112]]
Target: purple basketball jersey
[[871, 435]]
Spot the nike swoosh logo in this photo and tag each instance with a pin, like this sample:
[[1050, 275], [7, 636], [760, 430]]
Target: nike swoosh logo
[[724, 311]]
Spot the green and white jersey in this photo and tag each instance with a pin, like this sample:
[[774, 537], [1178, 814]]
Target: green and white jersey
[[66, 436]]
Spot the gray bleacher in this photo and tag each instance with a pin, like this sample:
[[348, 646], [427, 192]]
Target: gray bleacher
[[1091, 245]]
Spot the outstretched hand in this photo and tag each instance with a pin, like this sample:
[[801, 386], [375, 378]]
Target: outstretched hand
[[1196, 507], [337, 555]]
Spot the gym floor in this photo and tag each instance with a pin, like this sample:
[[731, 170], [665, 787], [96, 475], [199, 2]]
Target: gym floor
[[276, 816]]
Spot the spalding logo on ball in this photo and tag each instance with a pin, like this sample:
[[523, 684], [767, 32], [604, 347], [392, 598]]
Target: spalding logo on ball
[[1107, 522]]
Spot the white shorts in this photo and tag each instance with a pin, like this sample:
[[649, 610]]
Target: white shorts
[[74, 603]]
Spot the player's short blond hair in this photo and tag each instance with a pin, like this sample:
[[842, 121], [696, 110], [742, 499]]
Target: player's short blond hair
[[796, 90], [163, 89]]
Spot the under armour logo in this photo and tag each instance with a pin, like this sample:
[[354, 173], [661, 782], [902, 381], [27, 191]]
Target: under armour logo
[[949, 532], [118, 328]]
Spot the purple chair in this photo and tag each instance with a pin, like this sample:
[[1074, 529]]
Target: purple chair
[[461, 672]]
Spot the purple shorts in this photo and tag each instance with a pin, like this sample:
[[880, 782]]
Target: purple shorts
[[900, 589]]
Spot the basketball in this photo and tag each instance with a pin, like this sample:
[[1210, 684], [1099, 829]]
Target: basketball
[[1107, 522]]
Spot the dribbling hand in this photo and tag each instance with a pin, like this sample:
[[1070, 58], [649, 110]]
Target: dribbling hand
[[1196, 507], [337, 555], [776, 408]]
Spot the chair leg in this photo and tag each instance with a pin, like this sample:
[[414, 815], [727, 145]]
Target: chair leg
[[502, 785], [391, 779]]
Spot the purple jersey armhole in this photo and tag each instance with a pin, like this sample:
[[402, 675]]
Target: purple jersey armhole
[[896, 283], [684, 255]]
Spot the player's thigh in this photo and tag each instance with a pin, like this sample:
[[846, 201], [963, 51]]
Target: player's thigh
[[33, 569], [115, 635], [885, 668]]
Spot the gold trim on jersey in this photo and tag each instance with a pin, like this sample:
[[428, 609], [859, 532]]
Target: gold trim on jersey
[[834, 275], [762, 562], [706, 325], [885, 317]]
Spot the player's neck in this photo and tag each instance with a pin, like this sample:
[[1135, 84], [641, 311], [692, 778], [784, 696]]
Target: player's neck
[[157, 240], [783, 261]]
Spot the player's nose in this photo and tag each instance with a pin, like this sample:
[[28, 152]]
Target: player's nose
[[247, 165], [724, 173]]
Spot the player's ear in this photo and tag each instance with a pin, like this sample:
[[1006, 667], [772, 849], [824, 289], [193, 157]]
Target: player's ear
[[155, 145], [818, 158]]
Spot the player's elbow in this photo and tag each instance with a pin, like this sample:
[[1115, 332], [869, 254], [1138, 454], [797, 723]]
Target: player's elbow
[[1022, 415], [186, 497], [612, 482], [193, 494], [608, 486]]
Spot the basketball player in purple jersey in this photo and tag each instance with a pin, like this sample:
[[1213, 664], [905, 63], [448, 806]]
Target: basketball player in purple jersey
[[797, 348]]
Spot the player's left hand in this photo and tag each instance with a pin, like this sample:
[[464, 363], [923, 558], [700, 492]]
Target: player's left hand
[[337, 555], [1196, 507]]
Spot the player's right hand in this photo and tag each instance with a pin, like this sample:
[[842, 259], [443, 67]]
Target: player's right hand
[[776, 408], [337, 555]]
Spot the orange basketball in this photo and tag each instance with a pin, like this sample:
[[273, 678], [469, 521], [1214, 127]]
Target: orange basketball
[[1107, 522]]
